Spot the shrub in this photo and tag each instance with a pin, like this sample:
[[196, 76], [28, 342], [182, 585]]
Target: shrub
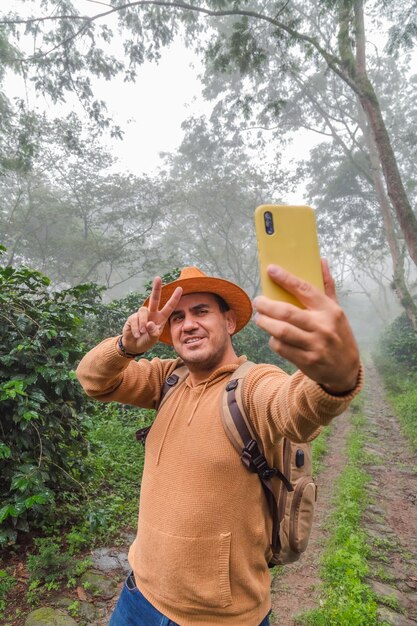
[[399, 343], [107, 320], [50, 564], [7, 582], [42, 407]]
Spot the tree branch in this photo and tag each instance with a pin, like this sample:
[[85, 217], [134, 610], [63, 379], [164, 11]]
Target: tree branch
[[332, 61]]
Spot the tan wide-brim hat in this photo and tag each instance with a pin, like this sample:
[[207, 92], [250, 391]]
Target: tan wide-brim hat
[[193, 280]]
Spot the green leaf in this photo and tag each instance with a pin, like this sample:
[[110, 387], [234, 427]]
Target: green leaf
[[38, 498], [5, 451], [8, 511], [30, 415]]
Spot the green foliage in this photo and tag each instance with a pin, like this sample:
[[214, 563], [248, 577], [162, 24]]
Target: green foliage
[[253, 342], [107, 320], [399, 343], [115, 462], [405, 405], [50, 564], [396, 360], [319, 449], [42, 407], [7, 582]]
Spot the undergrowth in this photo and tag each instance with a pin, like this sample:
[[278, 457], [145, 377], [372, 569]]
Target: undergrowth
[[401, 387], [116, 462], [109, 508], [405, 407], [346, 599]]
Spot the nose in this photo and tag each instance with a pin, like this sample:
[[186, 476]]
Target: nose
[[189, 323]]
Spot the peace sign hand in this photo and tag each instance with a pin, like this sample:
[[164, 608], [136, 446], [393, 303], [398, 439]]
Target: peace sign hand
[[143, 329]]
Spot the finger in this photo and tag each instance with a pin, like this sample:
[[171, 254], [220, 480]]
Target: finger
[[329, 284], [155, 296], [154, 330], [285, 333], [142, 317], [284, 312], [171, 304], [131, 326], [306, 293], [302, 359]]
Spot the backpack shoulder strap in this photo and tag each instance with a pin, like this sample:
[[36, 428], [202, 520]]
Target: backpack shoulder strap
[[233, 409], [179, 374], [240, 430], [173, 381]]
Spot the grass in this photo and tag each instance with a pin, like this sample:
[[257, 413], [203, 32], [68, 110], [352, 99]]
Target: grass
[[320, 445], [346, 599], [405, 406]]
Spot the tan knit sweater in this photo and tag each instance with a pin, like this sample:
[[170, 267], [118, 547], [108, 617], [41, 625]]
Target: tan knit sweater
[[203, 541]]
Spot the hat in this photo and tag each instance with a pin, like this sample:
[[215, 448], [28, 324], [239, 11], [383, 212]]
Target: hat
[[193, 280]]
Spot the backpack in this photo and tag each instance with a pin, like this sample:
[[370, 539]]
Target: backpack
[[286, 481]]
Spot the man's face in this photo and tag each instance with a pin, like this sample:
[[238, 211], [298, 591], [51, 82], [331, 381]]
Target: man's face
[[201, 332]]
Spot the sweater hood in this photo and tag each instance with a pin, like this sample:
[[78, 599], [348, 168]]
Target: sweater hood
[[215, 377], [221, 372]]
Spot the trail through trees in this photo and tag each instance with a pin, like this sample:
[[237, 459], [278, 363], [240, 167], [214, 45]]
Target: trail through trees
[[390, 520]]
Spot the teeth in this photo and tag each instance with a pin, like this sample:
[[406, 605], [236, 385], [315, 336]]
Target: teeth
[[193, 340]]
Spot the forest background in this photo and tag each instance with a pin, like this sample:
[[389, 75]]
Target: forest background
[[82, 236]]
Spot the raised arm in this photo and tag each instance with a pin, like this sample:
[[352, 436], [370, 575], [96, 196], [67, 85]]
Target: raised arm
[[108, 374]]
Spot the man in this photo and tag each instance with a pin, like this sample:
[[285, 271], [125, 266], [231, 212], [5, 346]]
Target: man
[[203, 544]]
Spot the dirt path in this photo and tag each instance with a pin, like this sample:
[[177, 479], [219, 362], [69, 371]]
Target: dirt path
[[390, 520], [296, 590]]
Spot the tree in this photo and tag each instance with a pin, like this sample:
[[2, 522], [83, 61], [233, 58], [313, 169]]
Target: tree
[[72, 217], [211, 191], [249, 40], [344, 174]]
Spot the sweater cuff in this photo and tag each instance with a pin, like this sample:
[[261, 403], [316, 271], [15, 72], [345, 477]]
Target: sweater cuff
[[111, 355], [122, 351], [341, 398], [347, 394]]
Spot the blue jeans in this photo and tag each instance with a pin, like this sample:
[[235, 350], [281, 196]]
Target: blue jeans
[[133, 609]]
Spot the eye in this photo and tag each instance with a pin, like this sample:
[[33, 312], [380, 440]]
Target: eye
[[175, 319]]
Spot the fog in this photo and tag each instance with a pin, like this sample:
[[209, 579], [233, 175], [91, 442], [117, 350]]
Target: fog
[[140, 152]]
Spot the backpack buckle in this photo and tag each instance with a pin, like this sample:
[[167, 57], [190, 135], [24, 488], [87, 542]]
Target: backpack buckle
[[142, 433], [255, 461]]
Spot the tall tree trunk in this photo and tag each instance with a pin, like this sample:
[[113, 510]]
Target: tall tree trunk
[[356, 69], [400, 283]]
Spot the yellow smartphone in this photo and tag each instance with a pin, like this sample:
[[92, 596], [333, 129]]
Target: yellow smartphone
[[287, 236]]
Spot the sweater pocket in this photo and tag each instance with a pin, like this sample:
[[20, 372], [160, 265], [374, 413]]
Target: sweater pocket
[[189, 571]]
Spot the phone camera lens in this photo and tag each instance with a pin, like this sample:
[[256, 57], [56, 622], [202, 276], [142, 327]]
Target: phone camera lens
[[269, 223]]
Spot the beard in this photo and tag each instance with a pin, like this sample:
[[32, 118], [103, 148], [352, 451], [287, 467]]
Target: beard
[[208, 358]]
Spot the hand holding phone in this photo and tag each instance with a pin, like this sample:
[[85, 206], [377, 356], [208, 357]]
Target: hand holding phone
[[317, 339]]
